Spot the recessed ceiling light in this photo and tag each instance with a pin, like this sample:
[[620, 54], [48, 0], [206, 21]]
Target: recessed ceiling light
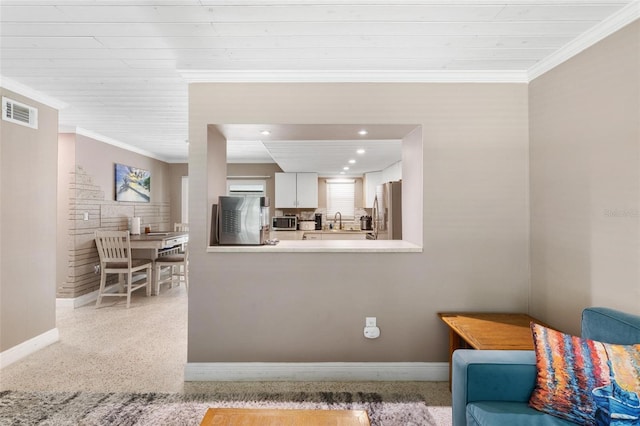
[[345, 168], [360, 151], [362, 132], [265, 132], [352, 161]]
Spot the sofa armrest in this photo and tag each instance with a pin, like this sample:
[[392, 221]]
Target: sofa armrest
[[487, 375], [610, 326]]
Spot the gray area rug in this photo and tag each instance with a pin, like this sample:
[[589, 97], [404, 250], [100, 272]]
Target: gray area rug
[[86, 408]]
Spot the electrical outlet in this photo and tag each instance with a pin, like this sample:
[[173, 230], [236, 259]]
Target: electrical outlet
[[85, 216], [96, 269], [371, 330]]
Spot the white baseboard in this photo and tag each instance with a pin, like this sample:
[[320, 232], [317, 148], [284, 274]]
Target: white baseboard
[[28, 347], [76, 302], [316, 371], [85, 299]]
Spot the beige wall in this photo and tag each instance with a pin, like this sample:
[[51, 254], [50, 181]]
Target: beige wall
[[86, 184], [176, 172], [27, 225], [311, 306], [260, 169], [66, 180], [585, 182], [98, 159], [582, 123], [412, 182]]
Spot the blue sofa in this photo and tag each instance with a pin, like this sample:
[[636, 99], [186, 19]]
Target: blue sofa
[[493, 387]]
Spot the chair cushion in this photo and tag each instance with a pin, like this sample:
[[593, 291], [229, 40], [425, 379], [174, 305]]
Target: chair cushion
[[493, 413], [140, 262], [583, 380], [124, 265], [173, 258]]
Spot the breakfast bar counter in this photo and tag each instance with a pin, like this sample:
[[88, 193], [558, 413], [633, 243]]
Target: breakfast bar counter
[[324, 246]]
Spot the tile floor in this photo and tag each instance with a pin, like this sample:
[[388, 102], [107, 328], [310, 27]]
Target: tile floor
[[144, 349]]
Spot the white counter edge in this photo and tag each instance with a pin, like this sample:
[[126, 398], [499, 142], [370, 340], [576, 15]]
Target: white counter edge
[[328, 246]]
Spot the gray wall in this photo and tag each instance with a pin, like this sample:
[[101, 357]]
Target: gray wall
[[585, 182], [474, 197], [27, 225]]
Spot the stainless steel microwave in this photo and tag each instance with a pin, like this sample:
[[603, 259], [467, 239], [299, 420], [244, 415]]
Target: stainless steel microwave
[[284, 223]]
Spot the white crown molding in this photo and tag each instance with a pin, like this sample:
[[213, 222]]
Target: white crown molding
[[347, 76], [387, 2], [316, 371], [24, 349], [110, 141], [615, 22], [30, 93]]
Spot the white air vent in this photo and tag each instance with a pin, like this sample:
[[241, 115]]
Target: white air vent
[[19, 113]]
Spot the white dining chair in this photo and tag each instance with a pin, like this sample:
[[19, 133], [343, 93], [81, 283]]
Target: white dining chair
[[177, 267], [180, 227], [114, 249]]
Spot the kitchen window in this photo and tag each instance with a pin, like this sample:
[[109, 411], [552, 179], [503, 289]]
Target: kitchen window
[[341, 197]]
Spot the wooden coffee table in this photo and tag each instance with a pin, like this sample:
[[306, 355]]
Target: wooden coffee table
[[273, 417], [485, 330]]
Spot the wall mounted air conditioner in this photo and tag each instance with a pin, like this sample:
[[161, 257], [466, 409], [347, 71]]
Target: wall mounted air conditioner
[[246, 188], [19, 113]]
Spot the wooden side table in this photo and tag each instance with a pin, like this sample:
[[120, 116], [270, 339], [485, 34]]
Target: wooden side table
[[486, 330], [283, 417]]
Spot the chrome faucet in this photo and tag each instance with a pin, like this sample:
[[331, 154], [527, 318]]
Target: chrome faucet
[[335, 218]]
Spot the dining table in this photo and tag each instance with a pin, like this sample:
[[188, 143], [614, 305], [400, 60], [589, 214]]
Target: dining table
[[154, 244]]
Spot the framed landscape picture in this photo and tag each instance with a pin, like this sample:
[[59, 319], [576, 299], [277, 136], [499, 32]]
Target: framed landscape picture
[[132, 184]]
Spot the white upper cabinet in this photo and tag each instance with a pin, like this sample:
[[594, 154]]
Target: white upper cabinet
[[307, 192], [286, 190], [296, 190]]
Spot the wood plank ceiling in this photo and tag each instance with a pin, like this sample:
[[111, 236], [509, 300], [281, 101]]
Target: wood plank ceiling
[[122, 67]]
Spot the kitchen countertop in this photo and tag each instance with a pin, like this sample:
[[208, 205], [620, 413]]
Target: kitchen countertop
[[324, 246], [338, 231]]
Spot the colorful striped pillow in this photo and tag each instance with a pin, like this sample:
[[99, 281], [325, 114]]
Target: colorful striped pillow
[[585, 381]]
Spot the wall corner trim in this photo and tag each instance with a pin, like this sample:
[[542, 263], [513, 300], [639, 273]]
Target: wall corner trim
[[105, 139], [30, 93], [353, 76], [28, 347], [316, 371], [615, 22]]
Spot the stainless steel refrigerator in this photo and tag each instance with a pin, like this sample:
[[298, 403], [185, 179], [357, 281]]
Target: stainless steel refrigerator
[[387, 211], [242, 220]]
